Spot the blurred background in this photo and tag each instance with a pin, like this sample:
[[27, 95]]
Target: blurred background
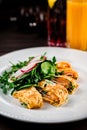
[[25, 15], [23, 21], [22, 24]]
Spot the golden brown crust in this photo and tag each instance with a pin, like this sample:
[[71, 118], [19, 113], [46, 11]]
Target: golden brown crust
[[56, 95], [67, 82], [29, 96], [63, 65], [71, 73]]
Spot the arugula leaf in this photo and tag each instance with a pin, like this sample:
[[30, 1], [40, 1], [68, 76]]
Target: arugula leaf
[[54, 59]]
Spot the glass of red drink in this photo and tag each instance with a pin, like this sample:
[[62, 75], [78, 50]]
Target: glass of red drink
[[57, 23]]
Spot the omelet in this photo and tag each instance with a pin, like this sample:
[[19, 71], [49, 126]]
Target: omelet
[[63, 65], [29, 97], [53, 93], [71, 73], [67, 82], [66, 69]]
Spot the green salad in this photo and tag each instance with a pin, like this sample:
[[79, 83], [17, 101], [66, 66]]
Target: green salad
[[28, 73]]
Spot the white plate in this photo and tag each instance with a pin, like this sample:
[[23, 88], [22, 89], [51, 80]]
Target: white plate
[[75, 109]]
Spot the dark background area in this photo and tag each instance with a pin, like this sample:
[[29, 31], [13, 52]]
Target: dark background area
[[23, 24], [12, 8]]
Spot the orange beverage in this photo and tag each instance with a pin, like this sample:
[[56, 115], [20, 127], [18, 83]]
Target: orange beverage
[[76, 24]]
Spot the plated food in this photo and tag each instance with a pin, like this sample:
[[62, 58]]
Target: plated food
[[38, 80]]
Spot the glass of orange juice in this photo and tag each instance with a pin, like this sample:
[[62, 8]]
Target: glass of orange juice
[[76, 24]]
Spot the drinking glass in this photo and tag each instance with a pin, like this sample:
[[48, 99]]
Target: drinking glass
[[76, 24], [57, 23]]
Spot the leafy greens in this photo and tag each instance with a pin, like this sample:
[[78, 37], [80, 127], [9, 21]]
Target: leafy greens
[[43, 70]]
